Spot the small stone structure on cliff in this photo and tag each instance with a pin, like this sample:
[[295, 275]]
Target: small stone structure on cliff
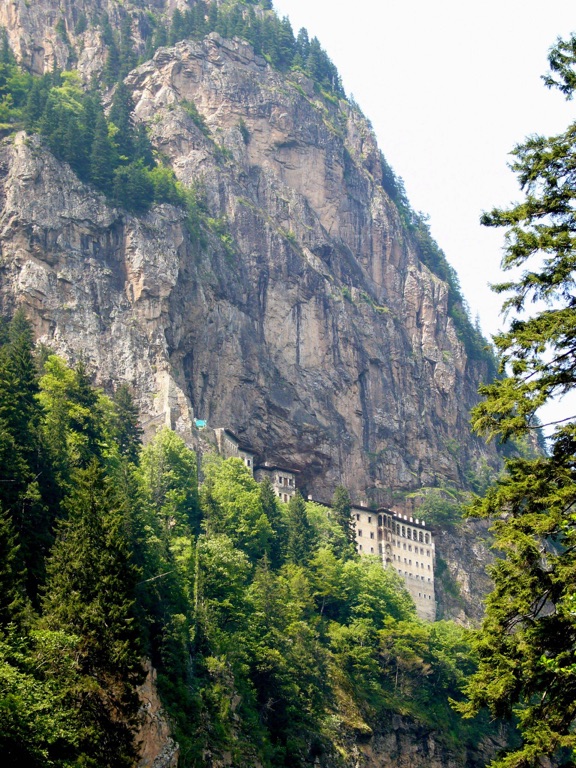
[[403, 543]]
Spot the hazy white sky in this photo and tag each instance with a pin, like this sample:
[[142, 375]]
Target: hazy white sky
[[450, 87]]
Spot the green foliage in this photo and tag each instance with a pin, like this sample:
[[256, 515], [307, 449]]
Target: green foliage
[[271, 36], [90, 594], [112, 153], [527, 644], [443, 507], [300, 540], [40, 723], [256, 615], [168, 479], [342, 514], [235, 508]]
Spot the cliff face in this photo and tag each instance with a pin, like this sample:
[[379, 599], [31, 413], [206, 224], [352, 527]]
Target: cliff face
[[48, 34], [305, 320]]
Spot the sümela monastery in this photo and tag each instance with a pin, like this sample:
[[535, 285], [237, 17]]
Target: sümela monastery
[[401, 542]]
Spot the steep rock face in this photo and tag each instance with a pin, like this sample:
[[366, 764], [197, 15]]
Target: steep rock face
[[305, 321], [157, 748], [461, 580], [325, 342], [47, 34], [403, 743]]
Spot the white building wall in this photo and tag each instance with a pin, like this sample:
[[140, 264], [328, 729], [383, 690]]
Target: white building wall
[[404, 544]]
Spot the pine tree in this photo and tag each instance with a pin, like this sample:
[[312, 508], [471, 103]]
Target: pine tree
[[90, 593], [300, 536], [121, 116], [271, 509], [342, 512], [22, 453], [102, 156], [127, 57], [176, 27], [527, 644], [12, 599], [128, 430]]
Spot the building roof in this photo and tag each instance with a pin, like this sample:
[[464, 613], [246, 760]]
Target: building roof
[[406, 519], [278, 468]]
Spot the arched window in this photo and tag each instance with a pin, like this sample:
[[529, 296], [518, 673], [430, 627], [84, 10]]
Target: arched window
[[427, 538], [421, 536], [404, 531]]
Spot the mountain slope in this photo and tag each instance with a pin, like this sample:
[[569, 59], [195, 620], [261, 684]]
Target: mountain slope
[[300, 315]]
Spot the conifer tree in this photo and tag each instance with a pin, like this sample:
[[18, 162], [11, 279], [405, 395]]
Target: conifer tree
[[271, 509], [127, 57], [527, 645], [342, 512], [22, 455], [90, 593], [121, 116], [11, 575], [102, 156], [128, 430], [300, 538]]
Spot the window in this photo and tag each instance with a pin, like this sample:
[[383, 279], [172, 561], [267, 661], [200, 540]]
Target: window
[[416, 563], [357, 517], [409, 547], [248, 462], [404, 531], [360, 547], [428, 566], [410, 563], [404, 559], [359, 533], [285, 497], [371, 532], [427, 537], [291, 481], [409, 533], [369, 519], [427, 553], [404, 545], [421, 536], [371, 549]]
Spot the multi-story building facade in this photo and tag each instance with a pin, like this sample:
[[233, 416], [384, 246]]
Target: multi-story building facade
[[405, 544]]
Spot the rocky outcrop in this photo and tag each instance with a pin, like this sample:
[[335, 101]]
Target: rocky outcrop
[[304, 320], [401, 742], [461, 579], [157, 748], [69, 33]]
